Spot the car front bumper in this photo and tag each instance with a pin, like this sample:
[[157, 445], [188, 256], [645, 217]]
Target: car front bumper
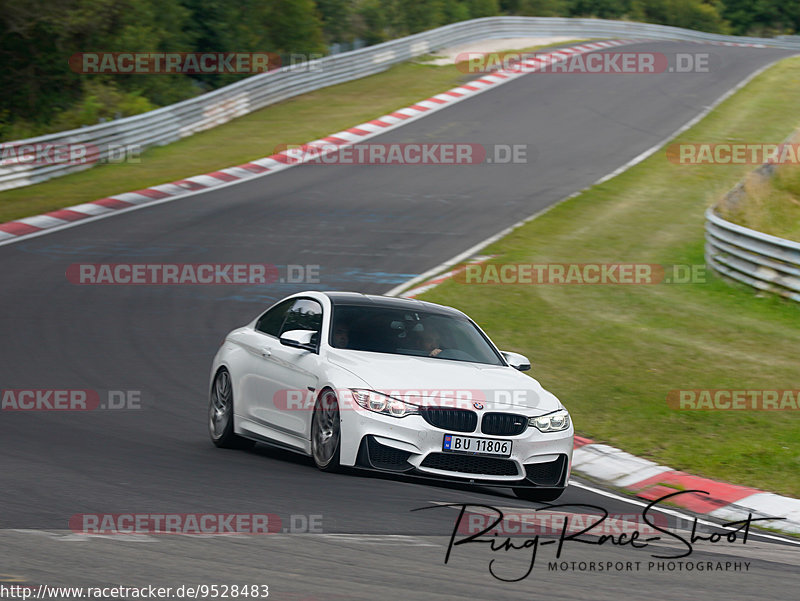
[[412, 445]]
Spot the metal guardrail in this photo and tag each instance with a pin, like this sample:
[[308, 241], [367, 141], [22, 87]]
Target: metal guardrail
[[759, 260], [171, 123]]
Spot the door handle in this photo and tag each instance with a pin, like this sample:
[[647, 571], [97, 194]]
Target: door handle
[[266, 351]]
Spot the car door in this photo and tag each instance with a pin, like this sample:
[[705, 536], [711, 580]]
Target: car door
[[258, 343], [287, 377]]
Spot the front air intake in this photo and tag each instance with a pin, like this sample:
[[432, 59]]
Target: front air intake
[[456, 420]]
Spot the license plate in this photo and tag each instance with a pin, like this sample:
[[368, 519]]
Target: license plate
[[476, 446]]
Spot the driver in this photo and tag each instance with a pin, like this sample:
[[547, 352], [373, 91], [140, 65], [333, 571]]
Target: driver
[[341, 335], [431, 342]]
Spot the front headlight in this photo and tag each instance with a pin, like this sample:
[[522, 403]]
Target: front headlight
[[552, 422], [385, 405]]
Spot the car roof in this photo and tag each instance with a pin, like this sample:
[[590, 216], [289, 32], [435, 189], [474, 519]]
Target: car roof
[[374, 300]]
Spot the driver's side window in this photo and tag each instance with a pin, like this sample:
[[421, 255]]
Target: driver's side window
[[271, 322], [305, 314]]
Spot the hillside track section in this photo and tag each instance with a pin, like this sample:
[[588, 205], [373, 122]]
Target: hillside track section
[[368, 228]]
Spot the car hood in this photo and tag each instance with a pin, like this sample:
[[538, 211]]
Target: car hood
[[441, 382]]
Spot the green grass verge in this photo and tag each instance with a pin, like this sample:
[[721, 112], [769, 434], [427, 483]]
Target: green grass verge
[[612, 353], [295, 121]]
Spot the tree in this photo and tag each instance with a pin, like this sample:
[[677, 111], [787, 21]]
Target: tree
[[336, 18], [543, 8], [762, 17], [295, 27]]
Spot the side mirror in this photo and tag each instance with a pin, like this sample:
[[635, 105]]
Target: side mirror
[[517, 361], [302, 339]]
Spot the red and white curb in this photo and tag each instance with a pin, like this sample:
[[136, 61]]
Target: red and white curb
[[650, 481], [435, 281], [737, 44], [33, 226]]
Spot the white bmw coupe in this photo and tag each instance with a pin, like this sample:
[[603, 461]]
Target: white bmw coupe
[[389, 384]]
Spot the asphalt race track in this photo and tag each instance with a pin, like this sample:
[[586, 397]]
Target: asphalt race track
[[368, 228]]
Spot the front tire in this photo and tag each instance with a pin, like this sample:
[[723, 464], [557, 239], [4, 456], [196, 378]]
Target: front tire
[[220, 414], [326, 432], [540, 495]]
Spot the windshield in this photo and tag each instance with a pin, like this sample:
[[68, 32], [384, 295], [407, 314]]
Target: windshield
[[415, 333]]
